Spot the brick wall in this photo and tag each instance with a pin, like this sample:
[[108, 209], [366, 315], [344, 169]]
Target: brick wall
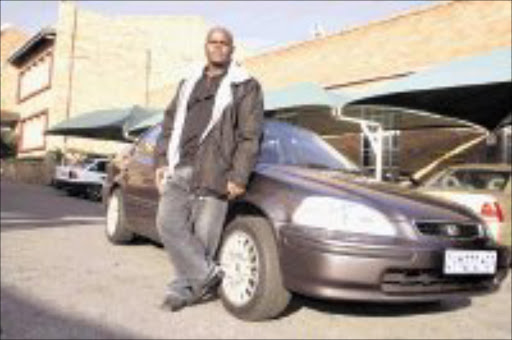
[[10, 39], [396, 45]]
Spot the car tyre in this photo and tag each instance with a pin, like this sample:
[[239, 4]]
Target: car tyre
[[116, 224], [252, 288], [94, 192]]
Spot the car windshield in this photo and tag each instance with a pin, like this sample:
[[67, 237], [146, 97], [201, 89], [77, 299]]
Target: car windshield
[[473, 179], [290, 145]]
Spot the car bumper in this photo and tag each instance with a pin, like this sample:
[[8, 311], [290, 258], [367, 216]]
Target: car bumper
[[403, 271], [73, 186]]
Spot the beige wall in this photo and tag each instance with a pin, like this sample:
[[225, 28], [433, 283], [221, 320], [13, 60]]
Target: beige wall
[[401, 44], [105, 62], [31, 142], [118, 60], [10, 40]]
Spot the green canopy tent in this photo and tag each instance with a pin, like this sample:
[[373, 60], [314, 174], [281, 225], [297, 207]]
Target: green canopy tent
[[109, 124], [305, 104], [463, 92]]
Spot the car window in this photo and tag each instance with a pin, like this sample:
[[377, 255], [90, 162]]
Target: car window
[[101, 166], [304, 148], [271, 151], [98, 166], [473, 179], [146, 145]]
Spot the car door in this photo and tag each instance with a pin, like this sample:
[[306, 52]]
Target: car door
[[141, 195]]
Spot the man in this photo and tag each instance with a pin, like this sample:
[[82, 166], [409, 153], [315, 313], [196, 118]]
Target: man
[[208, 147]]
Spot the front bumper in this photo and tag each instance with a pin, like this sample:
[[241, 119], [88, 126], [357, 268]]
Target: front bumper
[[392, 270]]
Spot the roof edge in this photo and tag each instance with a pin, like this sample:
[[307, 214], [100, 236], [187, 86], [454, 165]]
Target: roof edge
[[46, 33]]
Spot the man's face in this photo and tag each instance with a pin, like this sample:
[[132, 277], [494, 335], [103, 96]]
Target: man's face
[[218, 48]]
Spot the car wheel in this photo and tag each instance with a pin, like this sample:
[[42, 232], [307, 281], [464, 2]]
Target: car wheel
[[94, 192], [252, 288], [116, 225]]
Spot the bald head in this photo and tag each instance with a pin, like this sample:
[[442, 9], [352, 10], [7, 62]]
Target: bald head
[[220, 30], [219, 47]]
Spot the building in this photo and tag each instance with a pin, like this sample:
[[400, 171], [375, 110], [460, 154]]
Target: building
[[11, 38], [88, 62]]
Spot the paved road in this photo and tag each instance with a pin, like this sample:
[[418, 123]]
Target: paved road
[[60, 278]]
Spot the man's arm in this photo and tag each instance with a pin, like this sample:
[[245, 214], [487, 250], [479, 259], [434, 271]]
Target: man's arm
[[247, 135]]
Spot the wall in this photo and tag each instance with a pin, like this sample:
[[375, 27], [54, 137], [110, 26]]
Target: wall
[[396, 45]]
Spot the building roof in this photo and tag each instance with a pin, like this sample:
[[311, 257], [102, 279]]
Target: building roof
[[44, 35]]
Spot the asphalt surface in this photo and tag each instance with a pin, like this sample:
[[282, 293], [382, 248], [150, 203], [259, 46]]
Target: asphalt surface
[[61, 278]]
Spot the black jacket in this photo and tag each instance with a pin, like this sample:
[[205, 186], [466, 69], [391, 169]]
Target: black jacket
[[231, 148]]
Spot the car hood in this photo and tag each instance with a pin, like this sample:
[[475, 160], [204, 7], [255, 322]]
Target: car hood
[[391, 199]]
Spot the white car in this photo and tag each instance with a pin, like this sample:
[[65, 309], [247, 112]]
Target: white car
[[82, 179]]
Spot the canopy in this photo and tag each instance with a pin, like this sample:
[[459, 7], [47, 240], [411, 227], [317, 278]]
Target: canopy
[[473, 89], [303, 96], [111, 124], [304, 104]]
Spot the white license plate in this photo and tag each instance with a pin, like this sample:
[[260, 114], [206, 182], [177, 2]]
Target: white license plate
[[470, 261]]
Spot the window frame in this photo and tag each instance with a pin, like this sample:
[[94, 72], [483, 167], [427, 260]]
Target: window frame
[[47, 53]]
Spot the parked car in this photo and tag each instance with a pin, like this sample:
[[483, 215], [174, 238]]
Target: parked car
[[485, 188], [61, 176], [311, 223], [85, 179]]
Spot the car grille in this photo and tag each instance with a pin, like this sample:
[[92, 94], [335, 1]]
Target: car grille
[[430, 282], [449, 229]]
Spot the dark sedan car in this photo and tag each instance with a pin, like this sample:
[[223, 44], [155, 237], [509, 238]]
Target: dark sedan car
[[311, 223]]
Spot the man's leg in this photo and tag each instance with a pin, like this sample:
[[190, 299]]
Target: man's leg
[[209, 214], [174, 223]]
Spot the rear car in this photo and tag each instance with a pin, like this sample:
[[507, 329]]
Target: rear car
[[484, 188], [312, 223]]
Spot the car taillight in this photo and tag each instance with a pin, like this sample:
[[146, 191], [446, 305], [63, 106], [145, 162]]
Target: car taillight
[[492, 211]]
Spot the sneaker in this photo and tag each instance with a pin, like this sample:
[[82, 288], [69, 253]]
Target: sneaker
[[174, 302]]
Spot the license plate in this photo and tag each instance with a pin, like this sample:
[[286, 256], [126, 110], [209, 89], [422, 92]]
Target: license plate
[[470, 261]]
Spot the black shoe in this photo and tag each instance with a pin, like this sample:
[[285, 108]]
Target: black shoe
[[174, 302]]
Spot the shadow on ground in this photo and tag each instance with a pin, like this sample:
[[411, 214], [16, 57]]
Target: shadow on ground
[[368, 309], [24, 318]]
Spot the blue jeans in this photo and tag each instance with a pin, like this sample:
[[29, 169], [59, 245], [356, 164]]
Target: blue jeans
[[190, 227]]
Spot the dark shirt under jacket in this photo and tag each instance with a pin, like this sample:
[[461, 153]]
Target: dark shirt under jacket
[[199, 113]]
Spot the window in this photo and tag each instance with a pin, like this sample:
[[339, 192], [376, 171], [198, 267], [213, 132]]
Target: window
[[390, 153], [99, 166], [146, 145], [32, 132], [299, 147], [36, 77], [270, 150], [472, 179]]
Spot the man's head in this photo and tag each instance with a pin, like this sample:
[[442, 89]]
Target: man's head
[[219, 46]]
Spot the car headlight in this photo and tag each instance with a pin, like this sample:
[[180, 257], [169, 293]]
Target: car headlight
[[347, 216]]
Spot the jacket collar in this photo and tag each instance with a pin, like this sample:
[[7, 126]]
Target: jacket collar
[[235, 73]]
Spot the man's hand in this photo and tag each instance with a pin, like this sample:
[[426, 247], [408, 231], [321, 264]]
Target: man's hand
[[234, 190], [159, 178]]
